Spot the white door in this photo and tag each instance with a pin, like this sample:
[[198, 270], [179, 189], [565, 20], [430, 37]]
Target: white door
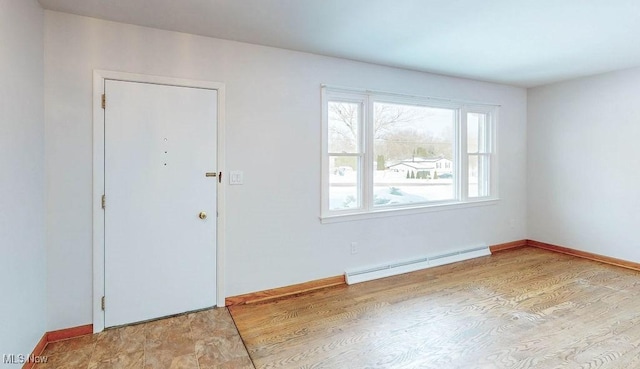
[[160, 256]]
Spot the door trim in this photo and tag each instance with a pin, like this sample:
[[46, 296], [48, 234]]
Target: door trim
[[99, 76]]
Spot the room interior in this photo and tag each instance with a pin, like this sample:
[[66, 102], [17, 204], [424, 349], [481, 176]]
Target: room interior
[[564, 75]]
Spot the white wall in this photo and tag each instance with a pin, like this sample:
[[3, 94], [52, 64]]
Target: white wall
[[274, 236], [583, 155], [22, 183]]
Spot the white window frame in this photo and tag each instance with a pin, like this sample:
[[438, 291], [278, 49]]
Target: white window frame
[[362, 100], [366, 167], [491, 113]]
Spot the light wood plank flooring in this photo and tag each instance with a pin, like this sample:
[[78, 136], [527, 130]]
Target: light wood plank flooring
[[525, 308]]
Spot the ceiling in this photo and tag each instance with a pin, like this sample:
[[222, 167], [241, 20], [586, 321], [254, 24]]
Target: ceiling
[[517, 42]]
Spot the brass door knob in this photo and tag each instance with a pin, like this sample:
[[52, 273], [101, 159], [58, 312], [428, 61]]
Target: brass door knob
[[202, 215]]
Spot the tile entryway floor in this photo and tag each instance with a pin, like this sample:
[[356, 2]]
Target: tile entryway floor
[[201, 340]]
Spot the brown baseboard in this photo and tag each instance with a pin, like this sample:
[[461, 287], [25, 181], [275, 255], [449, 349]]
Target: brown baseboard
[[272, 294], [59, 335], [64, 334], [507, 246], [585, 255], [37, 351]]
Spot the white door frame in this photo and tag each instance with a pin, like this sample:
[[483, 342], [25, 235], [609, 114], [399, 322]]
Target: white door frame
[[99, 77]]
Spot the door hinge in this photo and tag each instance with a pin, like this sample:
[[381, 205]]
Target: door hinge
[[104, 201], [102, 303], [104, 101]]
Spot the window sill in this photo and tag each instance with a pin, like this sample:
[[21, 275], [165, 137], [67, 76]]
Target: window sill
[[382, 213]]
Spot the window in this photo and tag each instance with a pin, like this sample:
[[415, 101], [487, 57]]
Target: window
[[385, 152], [478, 154], [345, 154], [411, 142]]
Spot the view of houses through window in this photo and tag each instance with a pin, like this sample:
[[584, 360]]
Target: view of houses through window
[[413, 149], [412, 157]]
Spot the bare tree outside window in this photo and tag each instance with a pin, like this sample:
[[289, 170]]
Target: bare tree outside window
[[409, 143]]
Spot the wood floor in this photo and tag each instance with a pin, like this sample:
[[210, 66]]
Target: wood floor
[[525, 308]]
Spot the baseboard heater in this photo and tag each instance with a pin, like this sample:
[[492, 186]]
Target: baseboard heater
[[401, 267]]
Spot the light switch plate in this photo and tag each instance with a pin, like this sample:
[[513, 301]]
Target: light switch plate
[[236, 177]]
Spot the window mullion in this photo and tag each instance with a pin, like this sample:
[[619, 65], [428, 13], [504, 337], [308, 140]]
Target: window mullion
[[367, 137], [485, 159], [491, 146], [463, 161]]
